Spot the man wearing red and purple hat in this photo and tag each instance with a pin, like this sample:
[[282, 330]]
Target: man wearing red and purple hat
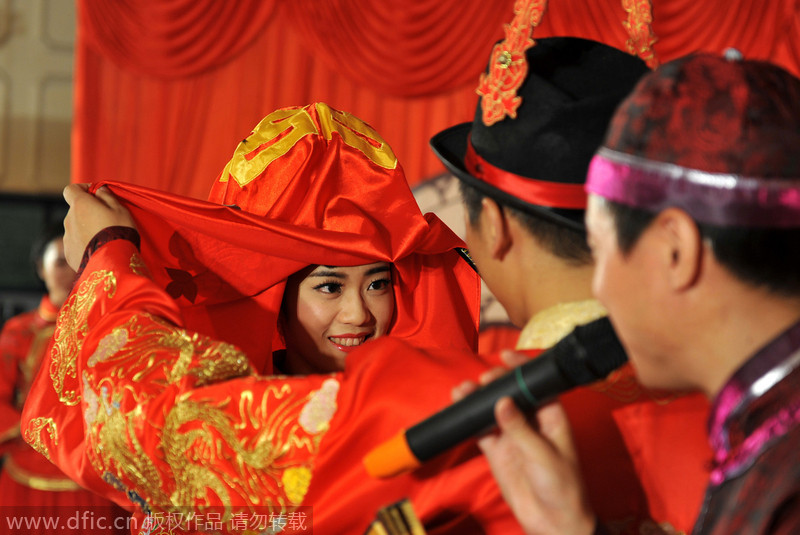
[[694, 223], [522, 164]]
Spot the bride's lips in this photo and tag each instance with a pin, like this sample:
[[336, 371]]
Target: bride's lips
[[348, 342]]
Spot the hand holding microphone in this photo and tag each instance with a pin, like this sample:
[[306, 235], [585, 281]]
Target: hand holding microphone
[[586, 355]]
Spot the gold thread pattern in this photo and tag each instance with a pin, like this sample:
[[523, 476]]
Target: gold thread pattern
[[296, 481], [34, 481], [552, 324], [71, 328], [239, 446], [138, 266], [33, 434], [138, 346], [108, 346]]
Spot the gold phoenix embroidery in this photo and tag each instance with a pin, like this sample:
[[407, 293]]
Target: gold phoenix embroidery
[[71, 328], [137, 347], [211, 460], [33, 434]]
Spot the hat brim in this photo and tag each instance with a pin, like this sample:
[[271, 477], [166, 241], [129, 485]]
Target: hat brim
[[450, 146]]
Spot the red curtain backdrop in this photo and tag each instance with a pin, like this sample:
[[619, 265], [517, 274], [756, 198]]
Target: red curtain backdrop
[[165, 89]]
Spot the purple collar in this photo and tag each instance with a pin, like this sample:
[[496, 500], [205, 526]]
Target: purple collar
[[759, 404]]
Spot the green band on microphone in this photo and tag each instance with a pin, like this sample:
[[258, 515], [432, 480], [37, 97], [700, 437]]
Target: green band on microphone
[[522, 386]]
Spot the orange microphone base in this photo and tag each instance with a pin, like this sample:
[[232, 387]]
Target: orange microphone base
[[391, 458]]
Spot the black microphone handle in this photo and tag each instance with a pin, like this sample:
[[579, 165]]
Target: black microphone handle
[[586, 355]]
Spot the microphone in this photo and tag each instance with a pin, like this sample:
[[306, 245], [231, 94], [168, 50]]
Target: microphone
[[589, 353]]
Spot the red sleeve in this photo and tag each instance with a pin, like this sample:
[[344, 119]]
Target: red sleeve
[[138, 409]]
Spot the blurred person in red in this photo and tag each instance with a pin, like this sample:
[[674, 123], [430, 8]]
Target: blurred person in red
[[30, 486]]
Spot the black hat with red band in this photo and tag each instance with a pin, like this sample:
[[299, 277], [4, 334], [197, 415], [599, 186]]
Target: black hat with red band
[[542, 114]]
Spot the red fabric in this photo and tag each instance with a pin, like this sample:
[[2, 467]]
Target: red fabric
[[173, 418], [494, 338], [398, 386], [172, 38], [409, 71], [202, 429], [670, 449], [311, 185], [32, 508], [23, 341], [644, 455], [226, 269]]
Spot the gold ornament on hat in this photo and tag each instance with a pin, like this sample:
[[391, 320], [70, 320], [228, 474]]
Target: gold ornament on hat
[[508, 66], [640, 29]]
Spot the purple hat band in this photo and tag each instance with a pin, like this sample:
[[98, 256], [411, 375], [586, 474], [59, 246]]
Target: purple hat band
[[719, 199]]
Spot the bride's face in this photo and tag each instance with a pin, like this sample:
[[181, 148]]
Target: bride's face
[[330, 311]]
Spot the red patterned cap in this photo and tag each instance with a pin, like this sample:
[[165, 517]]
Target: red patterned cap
[[718, 136]]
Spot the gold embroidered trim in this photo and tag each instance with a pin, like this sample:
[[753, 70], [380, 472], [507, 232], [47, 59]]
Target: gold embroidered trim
[[508, 64], [357, 134], [279, 131], [34, 481], [552, 324], [640, 29], [138, 266], [33, 434], [71, 329], [273, 137]]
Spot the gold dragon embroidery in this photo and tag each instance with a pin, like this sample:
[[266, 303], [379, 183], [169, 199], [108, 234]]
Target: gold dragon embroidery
[[71, 329], [252, 447]]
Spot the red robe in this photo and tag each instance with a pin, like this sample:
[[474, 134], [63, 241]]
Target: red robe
[[166, 418]]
